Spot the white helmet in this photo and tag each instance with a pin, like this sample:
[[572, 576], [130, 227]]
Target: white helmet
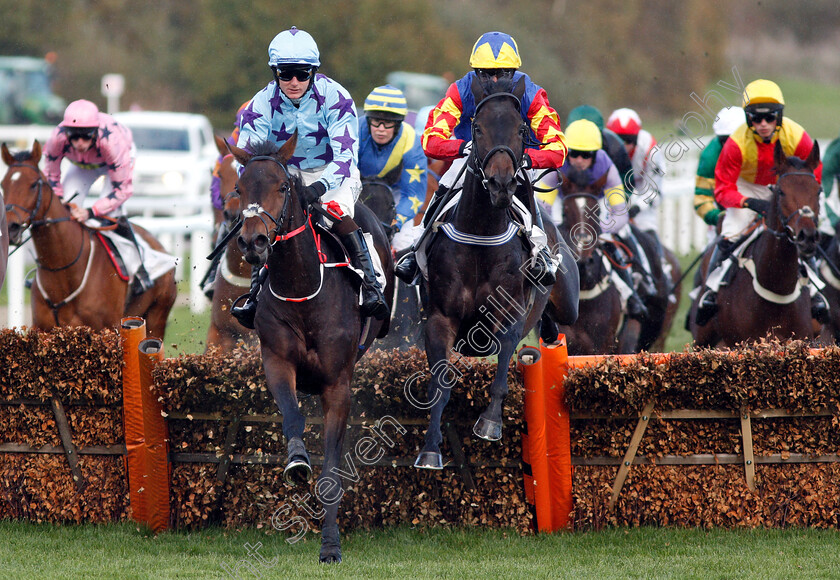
[[728, 119], [293, 46]]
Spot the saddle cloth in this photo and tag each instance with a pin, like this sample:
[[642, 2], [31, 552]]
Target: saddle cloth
[[518, 209], [156, 263]]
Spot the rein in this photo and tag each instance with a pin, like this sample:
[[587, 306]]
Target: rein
[[255, 209]]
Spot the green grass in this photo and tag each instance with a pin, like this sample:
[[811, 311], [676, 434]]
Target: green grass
[[125, 551], [679, 337], [186, 332]]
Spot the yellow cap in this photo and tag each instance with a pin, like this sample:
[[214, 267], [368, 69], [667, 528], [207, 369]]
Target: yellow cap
[[583, 135], [763, 91]]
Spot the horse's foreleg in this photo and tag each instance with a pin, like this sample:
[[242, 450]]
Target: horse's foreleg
[[489, 424], [335, 401], [280, 378], [440, 336]]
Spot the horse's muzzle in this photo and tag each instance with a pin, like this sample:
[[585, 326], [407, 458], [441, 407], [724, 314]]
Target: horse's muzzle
[[15, 233], [806, 242], [256, 250], [501, 190]]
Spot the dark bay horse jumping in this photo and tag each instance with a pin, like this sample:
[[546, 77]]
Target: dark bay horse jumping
[[233, 277], [308, 320], [772, 300], [76, 281], [480, 302]]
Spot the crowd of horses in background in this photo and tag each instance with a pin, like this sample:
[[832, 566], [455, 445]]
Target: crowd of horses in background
[[474, 301]]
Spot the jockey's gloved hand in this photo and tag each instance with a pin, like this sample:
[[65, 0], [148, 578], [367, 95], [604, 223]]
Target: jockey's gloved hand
[[526, 162], [466, 149], [313, 193], [634, 211], [759, 206]]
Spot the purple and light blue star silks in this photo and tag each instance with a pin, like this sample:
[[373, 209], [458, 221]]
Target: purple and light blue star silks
[[325, 121]]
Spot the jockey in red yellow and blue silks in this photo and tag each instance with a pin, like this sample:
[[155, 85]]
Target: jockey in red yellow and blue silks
[[495, 58], [385, 142]]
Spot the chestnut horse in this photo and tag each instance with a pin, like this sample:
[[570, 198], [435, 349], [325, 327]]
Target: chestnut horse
[[76, 281], [480, 302], [772, 300], [308, 319], [233, 276]]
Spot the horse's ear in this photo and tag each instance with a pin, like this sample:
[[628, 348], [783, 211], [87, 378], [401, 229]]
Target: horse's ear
[[779, 157], [519, 89], [35, 157], [241, 155], [813, 159], [7, 157], [393, 176], [288, 149], [221, 145]]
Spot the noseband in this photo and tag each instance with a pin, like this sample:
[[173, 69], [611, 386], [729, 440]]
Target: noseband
[[803, 212], [516, 158]]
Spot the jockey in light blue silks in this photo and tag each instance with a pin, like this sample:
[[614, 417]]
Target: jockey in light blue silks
[[321, 112], [385, 141]]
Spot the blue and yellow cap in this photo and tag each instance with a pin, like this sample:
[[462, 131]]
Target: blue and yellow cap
[[386, 99], [495, 50]]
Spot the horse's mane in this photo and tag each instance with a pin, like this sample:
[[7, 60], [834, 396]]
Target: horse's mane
[[796, 162], [22, 156], [578, 177], [265, 148]]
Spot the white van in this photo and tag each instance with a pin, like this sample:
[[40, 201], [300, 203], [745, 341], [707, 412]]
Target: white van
[[175, 158]]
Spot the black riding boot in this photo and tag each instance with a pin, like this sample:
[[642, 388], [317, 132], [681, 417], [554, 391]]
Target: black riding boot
[[407, 269], [636, 309], [542, 269], [707, 306], [245, 314], [819, 307], [373, 300]]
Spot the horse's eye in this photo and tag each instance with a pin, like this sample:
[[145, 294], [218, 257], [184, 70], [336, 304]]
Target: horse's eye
[[284, 188]]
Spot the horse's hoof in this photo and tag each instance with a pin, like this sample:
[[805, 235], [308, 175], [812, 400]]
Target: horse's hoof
[[487, 429], [330, 545], [331, 559], [429, 460], [297, 472]]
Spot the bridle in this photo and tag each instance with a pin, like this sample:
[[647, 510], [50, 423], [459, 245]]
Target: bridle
[[30, 221], [256, 210], [514, 156], [804, 212]]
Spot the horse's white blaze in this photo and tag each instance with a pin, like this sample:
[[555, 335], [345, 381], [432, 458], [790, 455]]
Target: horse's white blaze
[[253, 210], [15, 176]]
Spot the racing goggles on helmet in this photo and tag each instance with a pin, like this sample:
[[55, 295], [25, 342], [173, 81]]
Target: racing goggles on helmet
[[287, 73], [378, 122], [486, 74], [582, 154], [628, 138], [756, 115], [84, 133]]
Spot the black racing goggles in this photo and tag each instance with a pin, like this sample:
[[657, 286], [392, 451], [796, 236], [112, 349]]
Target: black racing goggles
[[499, 73], [629, 139], [756, 118], [76, 134], [582, 154], [287, 74], [382, 123]]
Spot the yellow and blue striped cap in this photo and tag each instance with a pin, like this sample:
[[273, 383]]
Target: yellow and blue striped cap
[[386, 99]]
